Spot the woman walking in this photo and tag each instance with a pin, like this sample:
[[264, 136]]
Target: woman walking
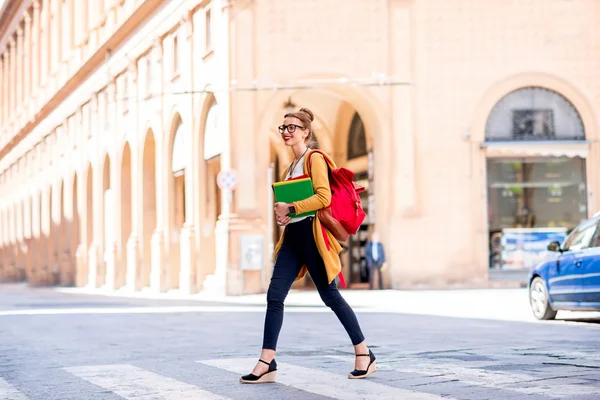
[[306, 246]]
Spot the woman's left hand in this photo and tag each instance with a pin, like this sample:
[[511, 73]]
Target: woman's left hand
[[281, 209]]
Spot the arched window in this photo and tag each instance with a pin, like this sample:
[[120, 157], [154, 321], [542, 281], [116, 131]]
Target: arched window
[[357, 138], [214, 139], [533, 114], [179, 159]]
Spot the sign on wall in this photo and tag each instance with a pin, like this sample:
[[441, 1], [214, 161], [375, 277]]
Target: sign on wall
[[252, 252], [522, 248]]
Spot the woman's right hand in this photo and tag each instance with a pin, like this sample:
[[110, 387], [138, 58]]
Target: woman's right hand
[[283, 221]]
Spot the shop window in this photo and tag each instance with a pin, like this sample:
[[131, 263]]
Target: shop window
[[534, 114], [357, 138], [536, 192], [532, 201]]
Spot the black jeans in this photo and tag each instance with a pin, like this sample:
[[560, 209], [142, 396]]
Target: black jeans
[[299, 249]]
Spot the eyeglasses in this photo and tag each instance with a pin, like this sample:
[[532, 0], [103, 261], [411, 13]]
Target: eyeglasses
[[291, 128]]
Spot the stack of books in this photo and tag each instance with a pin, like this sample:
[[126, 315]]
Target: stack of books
[[294, 189]]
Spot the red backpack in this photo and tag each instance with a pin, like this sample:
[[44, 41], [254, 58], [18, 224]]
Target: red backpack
[[345, 214]]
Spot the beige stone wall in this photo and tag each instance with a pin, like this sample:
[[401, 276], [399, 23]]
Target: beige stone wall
[[422, 74]]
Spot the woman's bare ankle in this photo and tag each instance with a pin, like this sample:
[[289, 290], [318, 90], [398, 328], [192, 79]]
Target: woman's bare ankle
[[267, 355], [361, 348]]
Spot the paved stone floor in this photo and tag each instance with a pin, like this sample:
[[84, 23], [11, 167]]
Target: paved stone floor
[[56, 345]]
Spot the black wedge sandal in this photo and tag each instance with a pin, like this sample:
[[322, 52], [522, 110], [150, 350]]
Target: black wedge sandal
[[359, 373], [267, 377]]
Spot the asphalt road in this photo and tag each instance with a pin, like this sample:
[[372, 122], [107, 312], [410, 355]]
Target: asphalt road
[[57, 346]]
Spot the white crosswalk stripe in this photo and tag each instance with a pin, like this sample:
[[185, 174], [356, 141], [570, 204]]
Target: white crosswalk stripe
[[324, 383], [8, 392], [131, 382], [521, 383]]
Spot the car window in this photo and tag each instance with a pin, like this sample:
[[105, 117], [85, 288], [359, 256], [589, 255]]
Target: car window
[[596, 239], [582, 238]]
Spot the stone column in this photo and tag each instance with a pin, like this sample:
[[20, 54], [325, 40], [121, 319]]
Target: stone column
[[81, 252], [111, 249], [2, 89], [27, 64], [35, 56], [55, 39], [187, 243], [6, 89], [132, 280], [44, 48], [159, 244], [246, 221], [19, 76], [13, 78]]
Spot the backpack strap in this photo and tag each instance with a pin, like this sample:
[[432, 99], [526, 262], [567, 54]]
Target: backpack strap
[[325, 156]]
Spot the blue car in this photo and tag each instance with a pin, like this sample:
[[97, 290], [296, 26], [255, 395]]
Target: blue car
[[569, 278]]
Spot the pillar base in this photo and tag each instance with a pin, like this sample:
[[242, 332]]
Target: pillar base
[[187, 270], [158, 276], [111, 261], [81, 274], [66, 269], [132, 278], [92, 280]]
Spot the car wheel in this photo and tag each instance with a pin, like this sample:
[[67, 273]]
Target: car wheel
[[539, 301]]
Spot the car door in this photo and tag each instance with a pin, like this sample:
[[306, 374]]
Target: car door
[[590, 280], [565, 279]]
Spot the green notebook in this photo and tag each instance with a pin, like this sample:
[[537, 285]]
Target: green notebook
[[294, 190]]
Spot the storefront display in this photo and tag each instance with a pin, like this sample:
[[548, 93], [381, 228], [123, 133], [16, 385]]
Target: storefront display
[[529, 193]]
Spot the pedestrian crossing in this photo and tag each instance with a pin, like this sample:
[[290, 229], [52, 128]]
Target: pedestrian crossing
[[8, 392], [324, 383], [131, 382], [504, 380], [404, 377]]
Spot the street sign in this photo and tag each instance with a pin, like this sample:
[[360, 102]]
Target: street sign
[[227, 180]]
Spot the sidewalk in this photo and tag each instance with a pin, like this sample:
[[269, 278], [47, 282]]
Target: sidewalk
[[493, 304]]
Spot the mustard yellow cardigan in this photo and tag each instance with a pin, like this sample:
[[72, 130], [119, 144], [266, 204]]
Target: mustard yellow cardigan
[[329, 247]]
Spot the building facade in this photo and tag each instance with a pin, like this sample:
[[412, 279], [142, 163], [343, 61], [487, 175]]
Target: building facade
[[125, 123]]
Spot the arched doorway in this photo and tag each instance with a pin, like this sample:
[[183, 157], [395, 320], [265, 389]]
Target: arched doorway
[[178, 149], [536, 177], [210, 206], [74, 236], [62, 240], [126, 217], [359, 160], [51, 273], [148, 207], [106, 274]]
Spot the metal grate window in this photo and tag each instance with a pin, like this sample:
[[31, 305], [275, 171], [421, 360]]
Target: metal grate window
[[534, 114]]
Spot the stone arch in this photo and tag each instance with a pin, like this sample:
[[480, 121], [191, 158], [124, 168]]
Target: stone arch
[[337, 104], [372, 112], [500, 89], [476, 134], [149, 205], [62, 235], [90, 247], [208, 160], [177, 167], [51, 237], [534, 113], [126, 227], [74, 234]]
